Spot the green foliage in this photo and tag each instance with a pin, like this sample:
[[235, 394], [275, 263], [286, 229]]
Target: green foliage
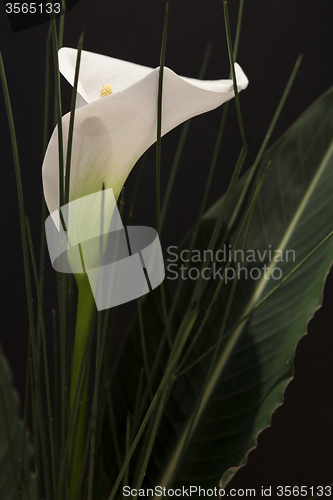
[[15, 478], [209, 425]]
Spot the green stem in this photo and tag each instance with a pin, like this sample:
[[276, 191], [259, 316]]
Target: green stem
[[85, 308]]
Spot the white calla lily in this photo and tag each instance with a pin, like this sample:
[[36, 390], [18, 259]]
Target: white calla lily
[[112, 132]]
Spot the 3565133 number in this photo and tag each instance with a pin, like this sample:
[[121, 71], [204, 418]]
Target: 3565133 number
[[303, 491], [32, 8]]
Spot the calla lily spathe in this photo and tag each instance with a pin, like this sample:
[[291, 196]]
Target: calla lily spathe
[[112, 132]]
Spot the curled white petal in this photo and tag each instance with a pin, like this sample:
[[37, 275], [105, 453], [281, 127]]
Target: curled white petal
[[96, 70]]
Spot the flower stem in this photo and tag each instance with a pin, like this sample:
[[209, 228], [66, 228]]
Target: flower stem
[[79, 385]]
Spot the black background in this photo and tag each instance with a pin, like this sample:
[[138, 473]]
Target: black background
[[297, 449], [23, 15]]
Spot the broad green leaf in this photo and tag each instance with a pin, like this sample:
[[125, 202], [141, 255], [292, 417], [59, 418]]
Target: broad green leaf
[[293, 214], [13, 477]]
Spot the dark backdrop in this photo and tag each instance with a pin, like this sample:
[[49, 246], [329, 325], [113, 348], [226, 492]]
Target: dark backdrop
[[297, 449]]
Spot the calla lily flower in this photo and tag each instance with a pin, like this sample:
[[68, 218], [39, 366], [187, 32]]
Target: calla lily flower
[[115, 123], [116, 119]]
